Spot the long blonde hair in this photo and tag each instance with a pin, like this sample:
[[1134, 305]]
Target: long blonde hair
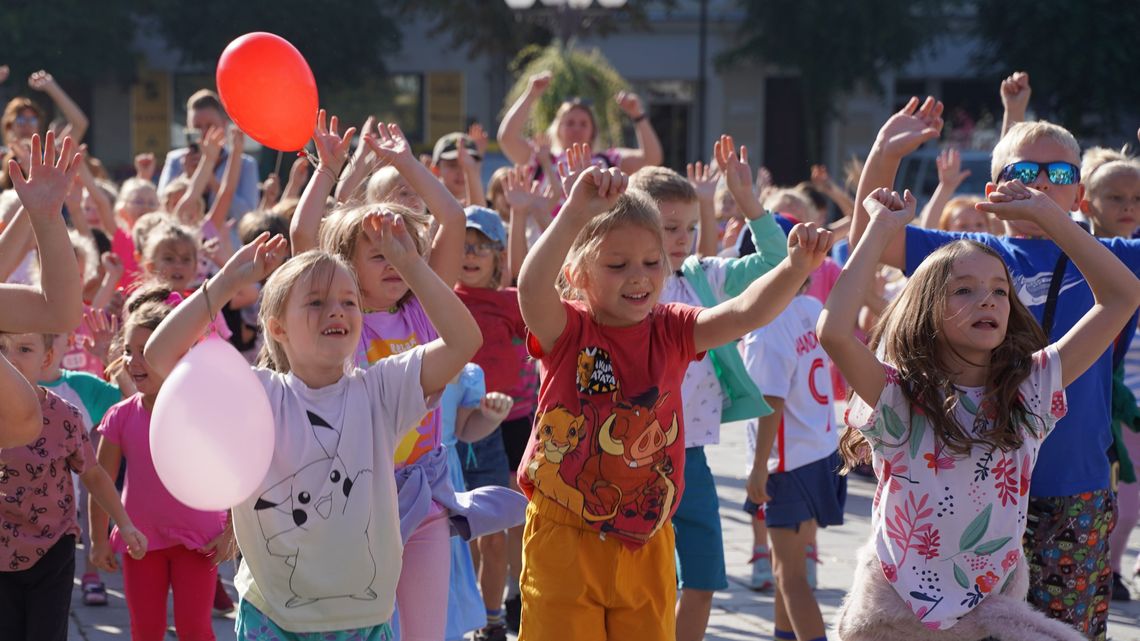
[[313, 264]]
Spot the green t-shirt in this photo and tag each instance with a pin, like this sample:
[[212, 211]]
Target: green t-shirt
[[91, 394]]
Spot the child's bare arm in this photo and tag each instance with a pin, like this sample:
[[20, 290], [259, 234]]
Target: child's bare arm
[[332, 150], [704, 178], [109, 458], [1115, 289], [112, 272], [471, 177], [56, 306], [103, 206], [950, 177], [447, 249], [768, 295], [822, 181], [103, 493], [836, 327], [903, 133], [511, 130], [766, 429], [524, 201], [76, 120], [211, 145], [648, 150], [1015, 92], [459, 335], [480, 422], [359, 166], [594, 191], [183, 327], [16, 241], [230, 179]]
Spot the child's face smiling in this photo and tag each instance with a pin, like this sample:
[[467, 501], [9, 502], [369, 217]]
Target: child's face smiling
[[144, 378], [624, 282], [976, 315], [176, 263], [478, 261], [1045, 150], [680, 223], [321, 325]]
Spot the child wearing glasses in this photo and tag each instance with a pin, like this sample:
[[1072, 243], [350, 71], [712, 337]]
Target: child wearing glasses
[[491, 461], [1072, 507]]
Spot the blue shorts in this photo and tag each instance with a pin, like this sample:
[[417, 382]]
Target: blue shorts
[[696, 527], [484, 462], [812, 491]]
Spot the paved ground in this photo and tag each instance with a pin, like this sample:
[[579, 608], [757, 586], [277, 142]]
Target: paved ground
[[738, 613]]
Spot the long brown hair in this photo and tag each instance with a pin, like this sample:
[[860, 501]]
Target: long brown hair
[[908, 335]]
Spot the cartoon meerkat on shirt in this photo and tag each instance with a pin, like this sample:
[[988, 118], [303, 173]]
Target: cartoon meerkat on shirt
[[318, 525]]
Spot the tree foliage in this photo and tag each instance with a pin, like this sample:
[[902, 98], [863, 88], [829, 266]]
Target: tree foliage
[[343, 40], [68, 38], [1080, 56], [834, 47], [586, 75]]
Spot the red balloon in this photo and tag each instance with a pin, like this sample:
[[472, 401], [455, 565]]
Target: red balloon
[[268, 90]]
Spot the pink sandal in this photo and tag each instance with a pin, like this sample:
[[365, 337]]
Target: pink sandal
[[94, 592]]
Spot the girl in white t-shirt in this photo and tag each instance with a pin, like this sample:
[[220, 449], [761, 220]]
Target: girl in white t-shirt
[[954, 418], [320, 537]]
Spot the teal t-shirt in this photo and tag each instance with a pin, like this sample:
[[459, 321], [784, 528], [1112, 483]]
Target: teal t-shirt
[[91, 394]]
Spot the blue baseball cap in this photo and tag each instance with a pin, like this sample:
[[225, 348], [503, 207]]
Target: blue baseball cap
[[488, 222]]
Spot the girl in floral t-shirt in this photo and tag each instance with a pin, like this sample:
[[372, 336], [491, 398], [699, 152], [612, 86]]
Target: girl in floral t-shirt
[[953, 424]]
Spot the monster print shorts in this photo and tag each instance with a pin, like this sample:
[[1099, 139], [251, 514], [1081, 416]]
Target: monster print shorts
[[253, 625], [1066, 543]]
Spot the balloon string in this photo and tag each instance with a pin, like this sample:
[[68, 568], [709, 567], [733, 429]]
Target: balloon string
[[277, 167]]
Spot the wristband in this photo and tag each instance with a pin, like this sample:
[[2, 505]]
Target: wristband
[[643, 116]]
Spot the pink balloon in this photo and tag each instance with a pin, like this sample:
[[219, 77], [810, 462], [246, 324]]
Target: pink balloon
[[211, 433]]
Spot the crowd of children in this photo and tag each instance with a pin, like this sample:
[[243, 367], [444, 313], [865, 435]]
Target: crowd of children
[[502, 426]]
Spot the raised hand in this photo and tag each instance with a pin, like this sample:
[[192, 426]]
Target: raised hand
[[764, 182], [910, 127], [144, 166], [578, 158], [1014, 200], [808, 246], [596, 190], [271, 188], [478, 135], [40, 80], [391, 146], [49, 176], [950, 172], [211, 145], [388, 232], [820, 178], [496, 406], [540, 144], [465, 159], [102, 327], [703, 178], [630, 104], [332, 148], [237, 141], [737, 173], [360, 154], [521, 191], [112, 265], [1015, 92], [538, 83], [888, 207], [254, 262]]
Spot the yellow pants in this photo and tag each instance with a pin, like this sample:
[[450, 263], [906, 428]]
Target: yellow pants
[[577, 586]]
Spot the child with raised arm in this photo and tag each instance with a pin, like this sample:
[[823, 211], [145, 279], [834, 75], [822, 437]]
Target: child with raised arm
[[954, 420], [704, 280], [1073, 476], [320, 537], [605, 467], [56, 305]]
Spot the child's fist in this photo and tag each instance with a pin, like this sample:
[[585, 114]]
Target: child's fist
[[496, 406], [1015, 91], [596, 190], [103, 557], [538, 83], [135, 540], [808, 246], [888, 207], [1014, 200], [630, 104]]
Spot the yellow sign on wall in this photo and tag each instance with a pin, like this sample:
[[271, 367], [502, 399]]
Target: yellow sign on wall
[[150, 113], [445, 106]]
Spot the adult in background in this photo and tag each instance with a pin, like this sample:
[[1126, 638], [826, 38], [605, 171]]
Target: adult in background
[[204, 111]]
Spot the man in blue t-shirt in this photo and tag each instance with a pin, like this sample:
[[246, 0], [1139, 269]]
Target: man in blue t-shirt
[[1072, 508]]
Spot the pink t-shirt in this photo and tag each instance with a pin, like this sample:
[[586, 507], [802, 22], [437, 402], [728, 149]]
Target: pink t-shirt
[[386, 334], [35, 480], [124, 248], [164, 520]]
